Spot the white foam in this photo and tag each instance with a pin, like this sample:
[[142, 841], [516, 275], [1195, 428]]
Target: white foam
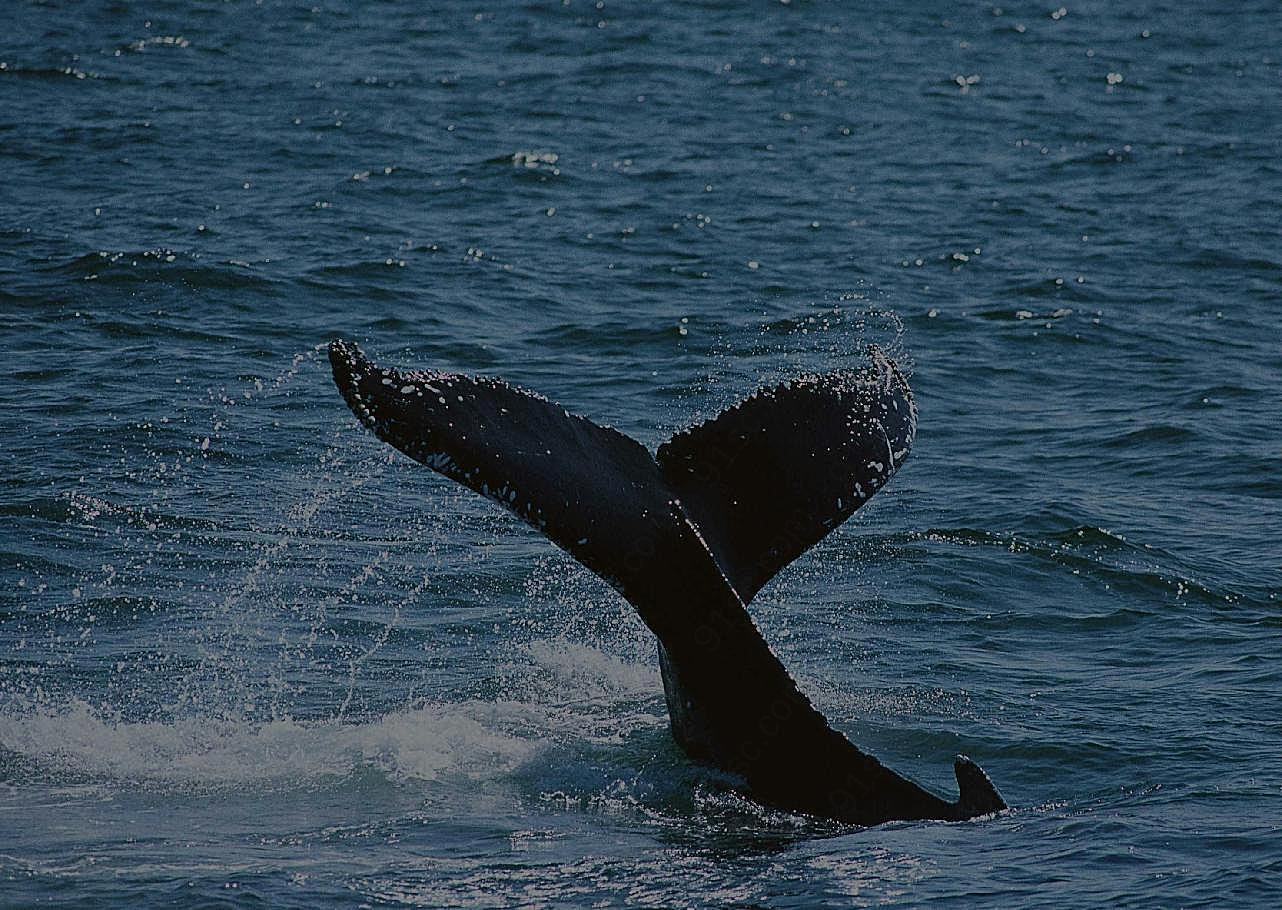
[[425, 742], [571, 693]]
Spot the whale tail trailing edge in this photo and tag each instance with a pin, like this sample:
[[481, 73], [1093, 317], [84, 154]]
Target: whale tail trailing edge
[[688, 536]]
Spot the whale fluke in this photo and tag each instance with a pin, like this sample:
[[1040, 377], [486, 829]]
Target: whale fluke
[[688, 537], [562, 474], [768, 478]]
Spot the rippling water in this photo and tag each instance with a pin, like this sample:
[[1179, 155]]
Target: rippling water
[[250, 656]]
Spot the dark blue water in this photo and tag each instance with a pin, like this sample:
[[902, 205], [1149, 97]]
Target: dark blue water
[[251, 657]]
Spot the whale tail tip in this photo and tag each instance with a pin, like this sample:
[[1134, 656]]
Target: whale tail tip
[[978, 795]]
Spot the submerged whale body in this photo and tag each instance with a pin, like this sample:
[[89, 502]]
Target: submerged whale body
[[688, 536]]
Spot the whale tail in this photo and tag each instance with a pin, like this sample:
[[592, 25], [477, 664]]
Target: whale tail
[[760, 483], [688, 536]]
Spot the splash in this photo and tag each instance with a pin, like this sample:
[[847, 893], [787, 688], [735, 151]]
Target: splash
[[472, 739], [826, 337], [420, 743]]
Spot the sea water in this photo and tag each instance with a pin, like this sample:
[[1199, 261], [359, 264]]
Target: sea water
[[250, 656]]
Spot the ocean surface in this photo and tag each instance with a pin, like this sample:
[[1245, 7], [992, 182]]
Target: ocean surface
[[252, 657]]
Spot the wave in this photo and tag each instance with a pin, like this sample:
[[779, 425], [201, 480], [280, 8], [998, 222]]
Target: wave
[[573, 695], [202, 753], [76, 508], [47, 72], [1099, 554], [160, 264]]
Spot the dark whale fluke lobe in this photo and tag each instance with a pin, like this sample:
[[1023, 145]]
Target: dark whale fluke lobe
[[688, 537]]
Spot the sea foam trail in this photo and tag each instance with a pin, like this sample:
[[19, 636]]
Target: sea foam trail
[[424, 741]]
